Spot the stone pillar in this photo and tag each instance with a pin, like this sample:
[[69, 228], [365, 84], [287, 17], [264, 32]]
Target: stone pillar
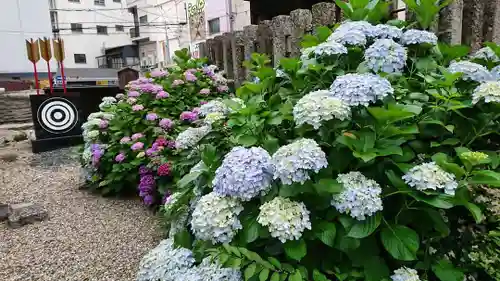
[[492, 21], [250, 42], [202, 47], [473, 23], [227, 54], [282, 31], [301, 24], [219, 52], [211, 50], [238, 47], [323, 14], [339, 14], [450, 23], [265, 38]]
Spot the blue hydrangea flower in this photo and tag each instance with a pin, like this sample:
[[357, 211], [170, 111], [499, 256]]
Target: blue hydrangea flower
[[319, 106], [305, 56], [495, 73], [213, 106], [330, 48], [293, 162], [360, 197], [286, 219], [364, 27], [215, 218], [164, 260], [385, 31], [385, 55], [244, 173], [471, 71], [349, 37], [487, 54], [415, 37], [488, 91], [360, 89], [429, 176]]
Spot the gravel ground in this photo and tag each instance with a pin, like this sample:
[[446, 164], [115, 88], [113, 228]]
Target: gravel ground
[[87, 237]]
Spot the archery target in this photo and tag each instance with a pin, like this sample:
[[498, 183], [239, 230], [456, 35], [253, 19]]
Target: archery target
[[57, 115]]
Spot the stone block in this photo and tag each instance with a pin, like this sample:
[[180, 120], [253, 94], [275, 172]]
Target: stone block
[[25, 213], [301, 24], [473, 23], [282, 27], [492, 21], [218, 51], [9, 156], [227, 54], [265, 38], [323, 14], [450, 23], [4, 212], [238, 49]]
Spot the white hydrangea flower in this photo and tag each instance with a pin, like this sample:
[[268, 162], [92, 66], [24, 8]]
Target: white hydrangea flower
[[471, 71], [171, 200], [487, 54], [212, 107], [305, 57], [245, 173], [361, 89], [107, 102], [213, 117], [360, 197], [191, 136], [364, 27], [207, 271], [215, 218], [293, 162], [91, 124], [349, 37], [385, 55], [90, 135], [416, 36], [489, 91], [429, 176], [330, 48], [285, 219], [385, 31], [164, 260], [319, 106], [405, 274]]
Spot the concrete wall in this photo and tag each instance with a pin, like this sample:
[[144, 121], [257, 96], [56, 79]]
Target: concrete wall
[[15, 107], [20, 20]]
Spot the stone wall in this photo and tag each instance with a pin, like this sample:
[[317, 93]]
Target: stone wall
[[15, 107], [469, 22]]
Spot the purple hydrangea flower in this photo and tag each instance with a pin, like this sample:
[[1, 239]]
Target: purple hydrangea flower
[[159, 73], [137, 136], [103, 124], [166, 123], [151, 88], [120, 157], [190, 76], [205, 91], [170, 144], [189, 116], [137, 146], [203, 102], [96, 151], [162, 95], [138, 107], [125, 140], [151, 116], [149, 200], [151, 151], [144, 170], [222, 88], [133, 94], [177, 82]]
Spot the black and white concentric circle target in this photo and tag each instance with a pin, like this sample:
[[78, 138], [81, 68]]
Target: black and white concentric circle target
[[57, 115]]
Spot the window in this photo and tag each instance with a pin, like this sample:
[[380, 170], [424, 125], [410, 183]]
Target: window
[[117, 1], [214, 26], [99, 2], [143, 19], [74, 1], [76, 28], [101, 29], [119, 27], [80, 58]]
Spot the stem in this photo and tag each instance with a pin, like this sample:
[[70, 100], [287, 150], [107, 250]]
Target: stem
[[397, 192]]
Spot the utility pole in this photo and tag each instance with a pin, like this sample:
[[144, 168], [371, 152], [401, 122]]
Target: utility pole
[[229, 4]]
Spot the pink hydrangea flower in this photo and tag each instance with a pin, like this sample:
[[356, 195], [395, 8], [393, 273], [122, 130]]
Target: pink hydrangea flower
[[205, 91], [125, 140], [164, 169], [190, 76], [133, 94], [166, 123], [222, 88], [177, 82], [151, 151], [131, 100], [120, 157], [189, 116], [137, 136], [159, 73], [161, 95], [137, 146], [196, 110], [151, 116], [203, 102], [103, 124], [138, 107]]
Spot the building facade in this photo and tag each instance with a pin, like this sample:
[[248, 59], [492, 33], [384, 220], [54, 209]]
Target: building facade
[[21, 20]]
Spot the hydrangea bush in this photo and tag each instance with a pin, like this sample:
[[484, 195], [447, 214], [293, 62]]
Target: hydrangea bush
[[133, 144], [369, 157]]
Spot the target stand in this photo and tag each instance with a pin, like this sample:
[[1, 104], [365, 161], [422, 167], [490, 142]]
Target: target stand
[[57, 120]]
